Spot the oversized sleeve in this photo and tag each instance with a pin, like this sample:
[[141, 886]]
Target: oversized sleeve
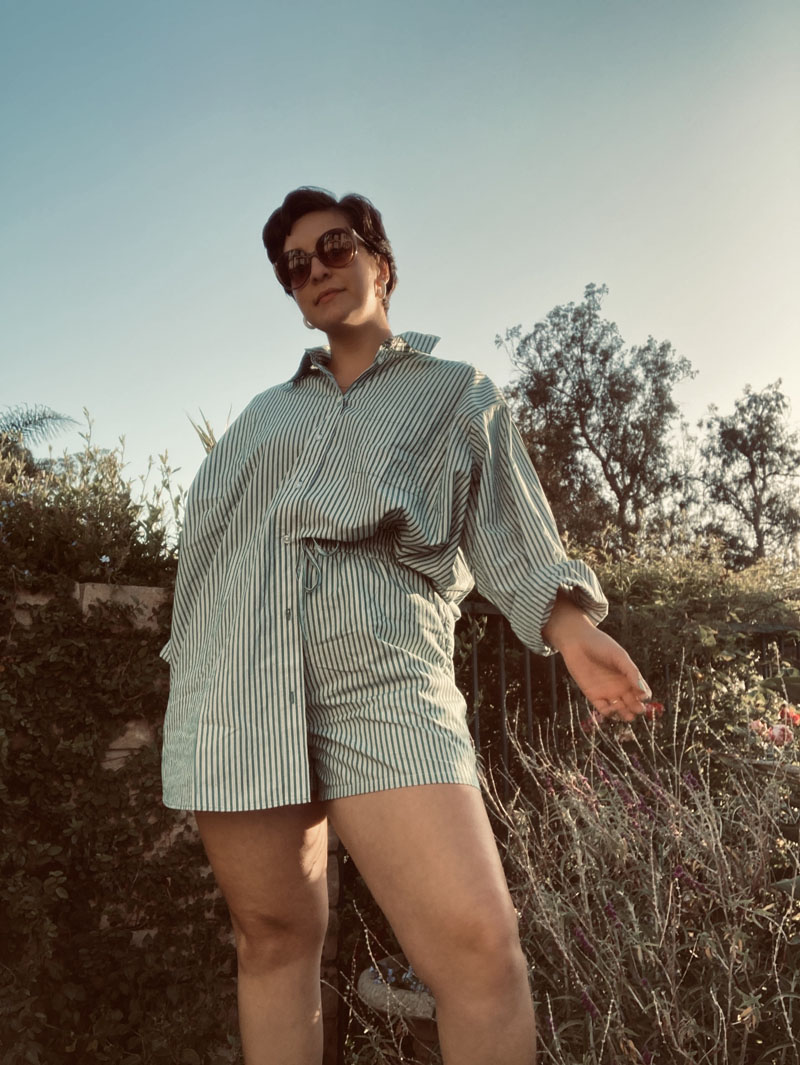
[[210, 503], [510, 541]]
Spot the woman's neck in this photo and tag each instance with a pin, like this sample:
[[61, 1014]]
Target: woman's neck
[[353, 350]]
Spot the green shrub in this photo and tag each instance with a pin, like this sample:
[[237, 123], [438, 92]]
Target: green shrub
[[683, 606], [74, 519]]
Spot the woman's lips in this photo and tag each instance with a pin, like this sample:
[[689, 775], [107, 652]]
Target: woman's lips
[[327, 296]]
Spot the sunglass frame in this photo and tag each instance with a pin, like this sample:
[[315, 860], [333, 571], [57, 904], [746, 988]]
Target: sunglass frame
[[317, 253]]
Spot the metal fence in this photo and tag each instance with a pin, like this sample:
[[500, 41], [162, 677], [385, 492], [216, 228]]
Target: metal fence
[[543, 680]]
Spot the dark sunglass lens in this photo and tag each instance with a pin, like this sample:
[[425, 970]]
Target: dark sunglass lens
[[336, 247], [295, 268]]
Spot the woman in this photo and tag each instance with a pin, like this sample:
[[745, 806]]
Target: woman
[[328, 540]]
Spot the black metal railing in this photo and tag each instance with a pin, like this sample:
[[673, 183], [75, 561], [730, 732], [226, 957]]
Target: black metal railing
[[485, 679]]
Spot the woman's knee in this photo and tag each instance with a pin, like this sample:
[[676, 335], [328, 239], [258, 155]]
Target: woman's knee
[[271, 867], [474, 948], [269, 939]]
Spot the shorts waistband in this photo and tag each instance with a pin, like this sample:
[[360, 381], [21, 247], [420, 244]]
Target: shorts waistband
[[314, 550]]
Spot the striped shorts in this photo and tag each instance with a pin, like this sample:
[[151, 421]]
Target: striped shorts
[[382, 707]]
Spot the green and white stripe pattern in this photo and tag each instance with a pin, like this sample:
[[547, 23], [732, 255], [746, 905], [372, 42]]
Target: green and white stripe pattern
[[382, 706], [420, 462]]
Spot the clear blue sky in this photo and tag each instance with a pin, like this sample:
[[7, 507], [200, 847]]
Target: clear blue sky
[[518, 150]]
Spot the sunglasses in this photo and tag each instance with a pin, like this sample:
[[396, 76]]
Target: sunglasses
[[335, 248]]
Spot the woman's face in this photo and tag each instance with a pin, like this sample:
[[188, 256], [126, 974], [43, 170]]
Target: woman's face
[[337, 296]]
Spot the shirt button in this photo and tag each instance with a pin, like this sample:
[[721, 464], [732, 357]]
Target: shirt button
[[287, 539]]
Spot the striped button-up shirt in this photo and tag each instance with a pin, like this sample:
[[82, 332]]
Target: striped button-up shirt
[[420, 449]]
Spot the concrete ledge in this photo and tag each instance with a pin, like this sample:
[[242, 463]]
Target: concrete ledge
[[143, 599], [23, 601], [138, 733]]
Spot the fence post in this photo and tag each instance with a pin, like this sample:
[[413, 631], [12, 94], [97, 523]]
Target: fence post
[[503, 711]]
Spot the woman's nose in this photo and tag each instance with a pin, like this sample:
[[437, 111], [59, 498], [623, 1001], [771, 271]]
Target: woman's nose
[[318, 269]]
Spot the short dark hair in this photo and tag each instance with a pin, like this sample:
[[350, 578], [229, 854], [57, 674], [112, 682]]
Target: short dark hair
[[362, 215]]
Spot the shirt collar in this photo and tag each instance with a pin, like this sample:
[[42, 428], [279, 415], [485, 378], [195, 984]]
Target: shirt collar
[[395, 346]]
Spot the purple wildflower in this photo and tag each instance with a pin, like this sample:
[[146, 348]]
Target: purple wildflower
[[612, 913], [588, 1005], [580, 935], [656, 787], [627, 796], [691, 781], [679, 873]]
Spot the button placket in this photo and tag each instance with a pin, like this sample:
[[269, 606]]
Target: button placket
[[312, 455]]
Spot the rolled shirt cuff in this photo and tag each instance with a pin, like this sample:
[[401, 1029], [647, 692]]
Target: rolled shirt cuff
[[533, 602]]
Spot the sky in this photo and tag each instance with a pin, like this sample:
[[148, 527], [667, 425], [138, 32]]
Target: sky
[[517, 150]]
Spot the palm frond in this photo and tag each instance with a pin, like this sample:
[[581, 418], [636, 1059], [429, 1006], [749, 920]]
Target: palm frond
[[32, 425]]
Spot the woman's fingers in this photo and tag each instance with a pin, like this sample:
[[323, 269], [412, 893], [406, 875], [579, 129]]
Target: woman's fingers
[[627, 706], [639, 689], [616, 708]]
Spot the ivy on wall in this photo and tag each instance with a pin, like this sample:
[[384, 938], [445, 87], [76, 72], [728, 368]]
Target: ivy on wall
[[115, 944]]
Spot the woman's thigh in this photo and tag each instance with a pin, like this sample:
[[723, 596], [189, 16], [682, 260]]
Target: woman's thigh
[[271, 867], [429, 857]]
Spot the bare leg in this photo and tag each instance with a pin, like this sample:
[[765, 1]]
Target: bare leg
[[428, 855], [271, 866]]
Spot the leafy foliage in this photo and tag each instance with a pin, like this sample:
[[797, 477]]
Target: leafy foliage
[[206, 433], [106, 903], [685, 605], [751, 472], [594, 415], [75, 519]]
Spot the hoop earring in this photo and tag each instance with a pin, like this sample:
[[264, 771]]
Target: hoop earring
[[308, 324]]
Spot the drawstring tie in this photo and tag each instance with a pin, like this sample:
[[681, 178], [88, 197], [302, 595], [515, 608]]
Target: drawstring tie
[[309, 570]]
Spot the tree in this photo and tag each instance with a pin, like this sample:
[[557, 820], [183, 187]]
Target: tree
[[20, 426], [751, 472], [595, 416]]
